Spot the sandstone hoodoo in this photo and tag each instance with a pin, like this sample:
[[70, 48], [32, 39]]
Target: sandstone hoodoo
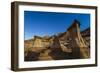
[[78, 44], [70, 44]]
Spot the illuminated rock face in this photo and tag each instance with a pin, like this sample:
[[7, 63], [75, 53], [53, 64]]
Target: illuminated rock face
[[78, 44], [37, 42], [71, 44]]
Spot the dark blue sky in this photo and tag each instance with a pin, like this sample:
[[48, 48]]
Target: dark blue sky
[[50, 23]]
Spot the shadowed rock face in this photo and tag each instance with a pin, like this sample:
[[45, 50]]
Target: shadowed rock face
[[31, 56], [56, 50], [71, 44]]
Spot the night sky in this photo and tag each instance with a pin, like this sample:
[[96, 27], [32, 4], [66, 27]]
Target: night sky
[[50, 23]]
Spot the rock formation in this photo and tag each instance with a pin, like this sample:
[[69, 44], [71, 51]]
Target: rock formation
[[78, 44], [71, 44]]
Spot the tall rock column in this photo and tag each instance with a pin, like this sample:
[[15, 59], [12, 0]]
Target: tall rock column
[[79, 48]]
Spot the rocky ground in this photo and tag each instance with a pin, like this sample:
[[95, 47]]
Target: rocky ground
[[63, 46]]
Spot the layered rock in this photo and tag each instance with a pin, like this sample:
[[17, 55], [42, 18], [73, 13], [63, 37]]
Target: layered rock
[[78, 44], [71, 44]]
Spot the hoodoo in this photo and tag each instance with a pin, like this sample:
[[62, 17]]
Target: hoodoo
[[78, 44], [71, 44]]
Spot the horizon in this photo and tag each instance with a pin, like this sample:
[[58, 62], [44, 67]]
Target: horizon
[[51, 23]]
